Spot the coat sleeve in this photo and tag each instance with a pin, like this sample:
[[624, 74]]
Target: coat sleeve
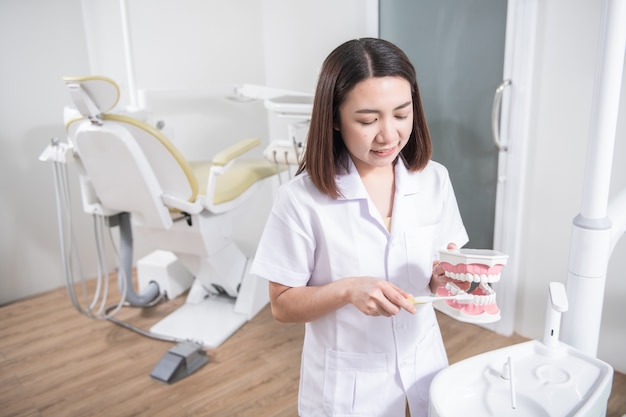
[[285, 253], [452, 228]]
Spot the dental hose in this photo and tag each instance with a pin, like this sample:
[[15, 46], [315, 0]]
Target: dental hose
[[71, 261], [126, 265]]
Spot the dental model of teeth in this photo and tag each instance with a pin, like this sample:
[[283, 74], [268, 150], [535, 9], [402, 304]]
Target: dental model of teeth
[[473, 272]]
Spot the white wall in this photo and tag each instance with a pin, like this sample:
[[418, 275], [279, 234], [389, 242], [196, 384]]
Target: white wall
[[293, 62], [568, 36], [36, 50]]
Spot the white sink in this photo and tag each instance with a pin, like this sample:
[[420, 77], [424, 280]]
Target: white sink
[[554, 381]]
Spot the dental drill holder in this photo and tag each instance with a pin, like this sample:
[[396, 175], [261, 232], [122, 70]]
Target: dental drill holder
[[474, 272], [180, 361], [557, 304]]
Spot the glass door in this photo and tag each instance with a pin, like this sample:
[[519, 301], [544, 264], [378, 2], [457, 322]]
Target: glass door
[[457, 48]]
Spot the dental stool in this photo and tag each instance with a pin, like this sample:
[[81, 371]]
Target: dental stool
[[129, 171]]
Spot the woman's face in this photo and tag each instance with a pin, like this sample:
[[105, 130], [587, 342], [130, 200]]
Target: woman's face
[[375, 121]]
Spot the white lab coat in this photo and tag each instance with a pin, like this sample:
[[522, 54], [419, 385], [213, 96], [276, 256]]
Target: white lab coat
[[353, 364]]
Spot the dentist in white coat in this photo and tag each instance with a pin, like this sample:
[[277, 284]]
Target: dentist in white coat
[[356, 233]]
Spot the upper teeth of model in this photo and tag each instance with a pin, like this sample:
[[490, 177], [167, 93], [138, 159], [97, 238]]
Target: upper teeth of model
[[473, 277]]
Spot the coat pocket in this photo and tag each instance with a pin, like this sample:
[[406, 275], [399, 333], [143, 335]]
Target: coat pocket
[[430, 358], [420, 254], [355, 383]]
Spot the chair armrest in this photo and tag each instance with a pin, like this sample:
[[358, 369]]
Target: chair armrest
[[182, 205], [224, 157]]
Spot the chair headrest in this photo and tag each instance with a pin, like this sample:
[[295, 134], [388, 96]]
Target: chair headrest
[[93, 95]]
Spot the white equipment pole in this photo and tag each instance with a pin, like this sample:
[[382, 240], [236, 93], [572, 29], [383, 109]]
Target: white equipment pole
[[591, 244]]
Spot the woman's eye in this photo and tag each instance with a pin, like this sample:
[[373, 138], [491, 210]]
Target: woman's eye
[[401, 116], [367, 122]]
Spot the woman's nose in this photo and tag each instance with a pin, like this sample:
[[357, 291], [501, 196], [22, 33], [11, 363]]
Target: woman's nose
[[387, 132]]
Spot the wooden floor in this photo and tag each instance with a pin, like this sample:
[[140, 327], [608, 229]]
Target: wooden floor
[[56, 362]]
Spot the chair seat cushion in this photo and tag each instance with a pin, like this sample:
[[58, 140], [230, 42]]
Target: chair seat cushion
[[237, 179]]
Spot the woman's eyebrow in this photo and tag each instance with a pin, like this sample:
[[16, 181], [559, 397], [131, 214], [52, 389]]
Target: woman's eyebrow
[[401, 106]]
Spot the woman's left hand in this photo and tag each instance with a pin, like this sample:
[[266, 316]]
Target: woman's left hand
[[438, 278]]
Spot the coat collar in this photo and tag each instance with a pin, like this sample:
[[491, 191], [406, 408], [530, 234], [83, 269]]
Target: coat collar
[[351, 187], [407, 183]]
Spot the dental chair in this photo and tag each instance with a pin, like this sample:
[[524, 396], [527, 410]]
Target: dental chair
[[132, 174]]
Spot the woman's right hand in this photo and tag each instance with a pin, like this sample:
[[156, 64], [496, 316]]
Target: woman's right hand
[[372, 296], [377, 297]]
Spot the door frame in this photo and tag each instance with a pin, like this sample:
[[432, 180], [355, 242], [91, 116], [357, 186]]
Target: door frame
[[519, 53]]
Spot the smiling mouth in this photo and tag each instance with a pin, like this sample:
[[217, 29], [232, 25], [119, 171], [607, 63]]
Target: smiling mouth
[[384, 152]]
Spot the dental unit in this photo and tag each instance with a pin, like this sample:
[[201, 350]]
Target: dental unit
[[133, 178], [544, 378], [296, 111]]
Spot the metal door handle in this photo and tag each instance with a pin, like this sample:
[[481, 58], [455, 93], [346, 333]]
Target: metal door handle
[[495, 115]]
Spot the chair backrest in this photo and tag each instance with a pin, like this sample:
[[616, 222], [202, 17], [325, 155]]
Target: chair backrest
[[129, 163]]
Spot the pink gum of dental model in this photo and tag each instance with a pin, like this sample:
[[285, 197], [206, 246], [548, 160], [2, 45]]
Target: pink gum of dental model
[[478, 267]]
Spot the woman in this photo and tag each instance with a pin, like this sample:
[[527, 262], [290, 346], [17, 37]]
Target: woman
[[356, 233]]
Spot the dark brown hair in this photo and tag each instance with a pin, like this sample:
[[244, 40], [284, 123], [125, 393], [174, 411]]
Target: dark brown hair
[[350, 63]]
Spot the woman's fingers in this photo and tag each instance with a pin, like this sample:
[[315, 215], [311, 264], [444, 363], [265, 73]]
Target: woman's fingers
[[377, 297], [395, 299]]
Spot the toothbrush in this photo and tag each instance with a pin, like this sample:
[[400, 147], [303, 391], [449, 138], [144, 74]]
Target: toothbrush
[[430, 298]]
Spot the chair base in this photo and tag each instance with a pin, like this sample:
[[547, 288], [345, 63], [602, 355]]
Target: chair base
[[206, 319], [166, 270], [209, 322]]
